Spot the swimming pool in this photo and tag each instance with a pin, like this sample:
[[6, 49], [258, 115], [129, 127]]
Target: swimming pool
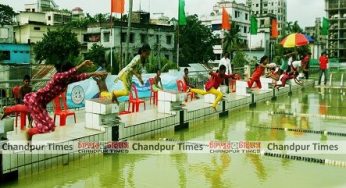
[[308, 109]]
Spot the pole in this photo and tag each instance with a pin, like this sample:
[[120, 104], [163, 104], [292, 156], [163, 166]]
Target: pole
[[112, 37], [121, 42], [178, 47], [128, 31]]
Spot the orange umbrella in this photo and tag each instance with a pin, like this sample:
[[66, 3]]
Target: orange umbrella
[[294, 40]]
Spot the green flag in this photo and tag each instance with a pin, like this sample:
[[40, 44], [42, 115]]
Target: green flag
[[253, 26], [325, 26], [182, 17]]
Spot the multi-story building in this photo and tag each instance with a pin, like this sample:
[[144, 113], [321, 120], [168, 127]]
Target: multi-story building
[[319, 41], [159, 37], [240, 18], [336, 13], [260, 8]]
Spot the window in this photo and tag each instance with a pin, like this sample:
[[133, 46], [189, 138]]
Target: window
[[5, 55], [265, 4], [237, 14], [132, 37], [279, 10], [169, 39], [106, 37], [246, 16], [265, 12], [157, 39], [143, 38], [33, 10], [272, 11], [262, 22], [123, 37], [37, 28], [49, 18], [256, 5], [257, 12], [245, 29]]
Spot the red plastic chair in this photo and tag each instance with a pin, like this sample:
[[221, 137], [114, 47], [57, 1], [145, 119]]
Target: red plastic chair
[[62, 112], [134, 100], [183, 89], [153, 94], [15, 93]]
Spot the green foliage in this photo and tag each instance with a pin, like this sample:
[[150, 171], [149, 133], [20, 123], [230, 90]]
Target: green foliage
[[159, 62], [6, 15], [97, 54], [196, 42], [239, 59], [231, 42], [57, 47]]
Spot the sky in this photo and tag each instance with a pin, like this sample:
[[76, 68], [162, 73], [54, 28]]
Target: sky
[[304, 11]]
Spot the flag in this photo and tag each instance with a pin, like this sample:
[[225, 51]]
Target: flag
[[274, 33], [225, 20], [117, 6], [325, 26], [253, 26], [181, 16]]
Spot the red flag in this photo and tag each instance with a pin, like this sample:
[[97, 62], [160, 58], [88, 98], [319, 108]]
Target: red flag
[[275, 32], [117, 6], [225, 20]]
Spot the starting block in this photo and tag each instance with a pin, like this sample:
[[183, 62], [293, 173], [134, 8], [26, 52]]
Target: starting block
[[265, 82], [169, 102], [242, 88], [100, 113], [210, 98]]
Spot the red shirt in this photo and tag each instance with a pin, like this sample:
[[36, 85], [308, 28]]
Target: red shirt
[[323, 62], [216, 80], [258, 72]]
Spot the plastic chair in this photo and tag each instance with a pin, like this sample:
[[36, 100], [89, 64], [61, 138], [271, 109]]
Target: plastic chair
[[22, 115], [62, 112], [134, 100], [183, 88], [153, 94]]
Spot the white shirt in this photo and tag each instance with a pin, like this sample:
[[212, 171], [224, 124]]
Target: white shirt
[[297, 64], [227, 63]]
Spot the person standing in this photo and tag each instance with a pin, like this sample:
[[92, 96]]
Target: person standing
[[227, 63], [323, 68]]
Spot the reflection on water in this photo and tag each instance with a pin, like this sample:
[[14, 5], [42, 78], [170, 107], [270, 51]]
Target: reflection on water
[[219, 170]]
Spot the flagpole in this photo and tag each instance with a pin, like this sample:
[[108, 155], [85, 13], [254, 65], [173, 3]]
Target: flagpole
[[178, 48], [128, 31], [121, 42], [111, 33]]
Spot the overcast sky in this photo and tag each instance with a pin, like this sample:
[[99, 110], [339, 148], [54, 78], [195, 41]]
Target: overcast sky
[[304, 11]]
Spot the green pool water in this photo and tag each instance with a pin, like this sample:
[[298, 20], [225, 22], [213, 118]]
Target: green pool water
[[220, 170]]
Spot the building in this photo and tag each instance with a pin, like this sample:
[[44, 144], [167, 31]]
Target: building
[[41, 6], [77, 13], [336, 13], [319, 44], [240, 18], [159, 37], [14, 54], [6, 34], [261, 8]]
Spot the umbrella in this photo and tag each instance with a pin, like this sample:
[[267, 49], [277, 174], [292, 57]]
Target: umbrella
[[310, 39], [293, 40]]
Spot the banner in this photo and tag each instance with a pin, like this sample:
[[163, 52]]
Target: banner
[[79, 91]]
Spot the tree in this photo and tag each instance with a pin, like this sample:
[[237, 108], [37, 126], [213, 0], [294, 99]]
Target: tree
[[231, 41], [6, 15], [57, 47], [196, 42], [97, 54]]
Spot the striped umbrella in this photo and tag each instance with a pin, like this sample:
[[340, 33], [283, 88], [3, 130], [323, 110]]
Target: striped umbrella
[[294, 40]]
